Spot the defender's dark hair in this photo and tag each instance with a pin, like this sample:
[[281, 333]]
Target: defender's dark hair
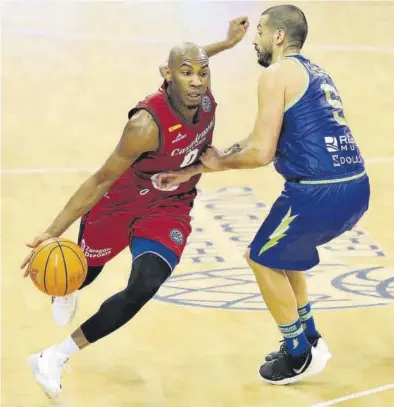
[[292, 20]]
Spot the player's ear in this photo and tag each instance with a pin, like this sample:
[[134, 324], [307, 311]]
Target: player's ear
[[280, 36], [165, 72]]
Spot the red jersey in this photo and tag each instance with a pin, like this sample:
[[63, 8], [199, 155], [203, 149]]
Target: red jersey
[[134, 206], [181, 144]]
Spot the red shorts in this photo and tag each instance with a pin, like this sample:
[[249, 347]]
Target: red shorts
[[103, 235]]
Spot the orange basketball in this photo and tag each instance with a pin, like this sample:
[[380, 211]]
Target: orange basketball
[[58, 267]]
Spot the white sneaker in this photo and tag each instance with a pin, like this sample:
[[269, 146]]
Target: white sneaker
[[322, 346], [320, 357], [47, 368], [64, 308]]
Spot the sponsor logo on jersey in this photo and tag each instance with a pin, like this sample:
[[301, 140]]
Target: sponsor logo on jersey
[[173, 128], [94, 253], [179, 137], [206, 104], [198, 140], [332, 144], [176, 236]]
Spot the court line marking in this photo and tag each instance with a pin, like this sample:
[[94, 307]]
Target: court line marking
[[385, 49], [29, 171], [354, 396]]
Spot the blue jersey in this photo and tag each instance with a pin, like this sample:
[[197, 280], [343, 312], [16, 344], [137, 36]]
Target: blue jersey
[[315, 141]]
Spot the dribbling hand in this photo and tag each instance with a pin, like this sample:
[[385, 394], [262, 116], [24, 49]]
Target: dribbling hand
[[37, 240]]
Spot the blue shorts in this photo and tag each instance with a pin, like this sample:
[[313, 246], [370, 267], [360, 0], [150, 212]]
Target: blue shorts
[[140, 246], [306, 216]]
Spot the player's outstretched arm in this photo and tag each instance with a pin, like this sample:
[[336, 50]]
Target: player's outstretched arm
[[259, 149], [236, 32], [168, 180], [140, 135]]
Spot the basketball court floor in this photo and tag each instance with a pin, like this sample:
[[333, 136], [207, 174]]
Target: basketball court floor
[[70, 73]]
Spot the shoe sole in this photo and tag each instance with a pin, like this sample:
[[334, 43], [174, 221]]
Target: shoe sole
[[317, 365], [33, 365]]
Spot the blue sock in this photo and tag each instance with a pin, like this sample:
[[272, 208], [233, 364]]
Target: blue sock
[[307, 320], [295, 338]]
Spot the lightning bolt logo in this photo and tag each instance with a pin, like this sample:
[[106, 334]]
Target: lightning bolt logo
[[279, 232]]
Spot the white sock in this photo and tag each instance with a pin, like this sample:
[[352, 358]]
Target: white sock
[[67, 347]]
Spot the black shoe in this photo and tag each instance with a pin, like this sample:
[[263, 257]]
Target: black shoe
[[287, 369], [274, 355]]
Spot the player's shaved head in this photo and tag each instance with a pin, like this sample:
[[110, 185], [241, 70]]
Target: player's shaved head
[[187, 75], [186, 52]]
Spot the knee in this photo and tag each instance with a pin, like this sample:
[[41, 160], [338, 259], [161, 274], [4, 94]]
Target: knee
[[247, 257], [148, 273], [258, 269]]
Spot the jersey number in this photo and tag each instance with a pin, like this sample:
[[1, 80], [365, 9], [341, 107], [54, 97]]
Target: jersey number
[[336, 104], [189, 158]]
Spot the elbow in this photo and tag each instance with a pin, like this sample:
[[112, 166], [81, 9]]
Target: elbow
[[264, 158], [260, 155]]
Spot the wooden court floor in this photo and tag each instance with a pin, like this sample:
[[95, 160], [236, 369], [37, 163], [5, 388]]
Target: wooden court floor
[[70, 73]]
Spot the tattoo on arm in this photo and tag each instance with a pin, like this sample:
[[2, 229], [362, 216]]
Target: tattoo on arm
[[235, 148]]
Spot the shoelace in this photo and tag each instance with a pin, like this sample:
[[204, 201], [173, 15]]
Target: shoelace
[[67, 368], [63, 300], [282, 348], [64, 365]]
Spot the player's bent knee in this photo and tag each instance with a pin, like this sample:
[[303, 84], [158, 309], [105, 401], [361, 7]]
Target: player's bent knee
[[251, 262], [259, 268], [149, 272]]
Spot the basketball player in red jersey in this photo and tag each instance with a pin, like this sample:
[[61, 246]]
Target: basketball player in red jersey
[[121, 204]]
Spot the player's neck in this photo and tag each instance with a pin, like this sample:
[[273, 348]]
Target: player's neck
[[291, 51], [285, 52], [188, 114]]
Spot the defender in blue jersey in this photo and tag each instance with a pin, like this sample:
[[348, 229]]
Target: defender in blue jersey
[[301, 127]]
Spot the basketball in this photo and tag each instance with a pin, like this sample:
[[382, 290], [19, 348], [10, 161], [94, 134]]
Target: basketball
[[58, 267]]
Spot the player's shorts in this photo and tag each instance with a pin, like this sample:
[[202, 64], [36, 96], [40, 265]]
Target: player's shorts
[[104, 234], [306, 216]]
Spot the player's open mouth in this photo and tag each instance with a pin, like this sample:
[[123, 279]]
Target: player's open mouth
[[194, 95]]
